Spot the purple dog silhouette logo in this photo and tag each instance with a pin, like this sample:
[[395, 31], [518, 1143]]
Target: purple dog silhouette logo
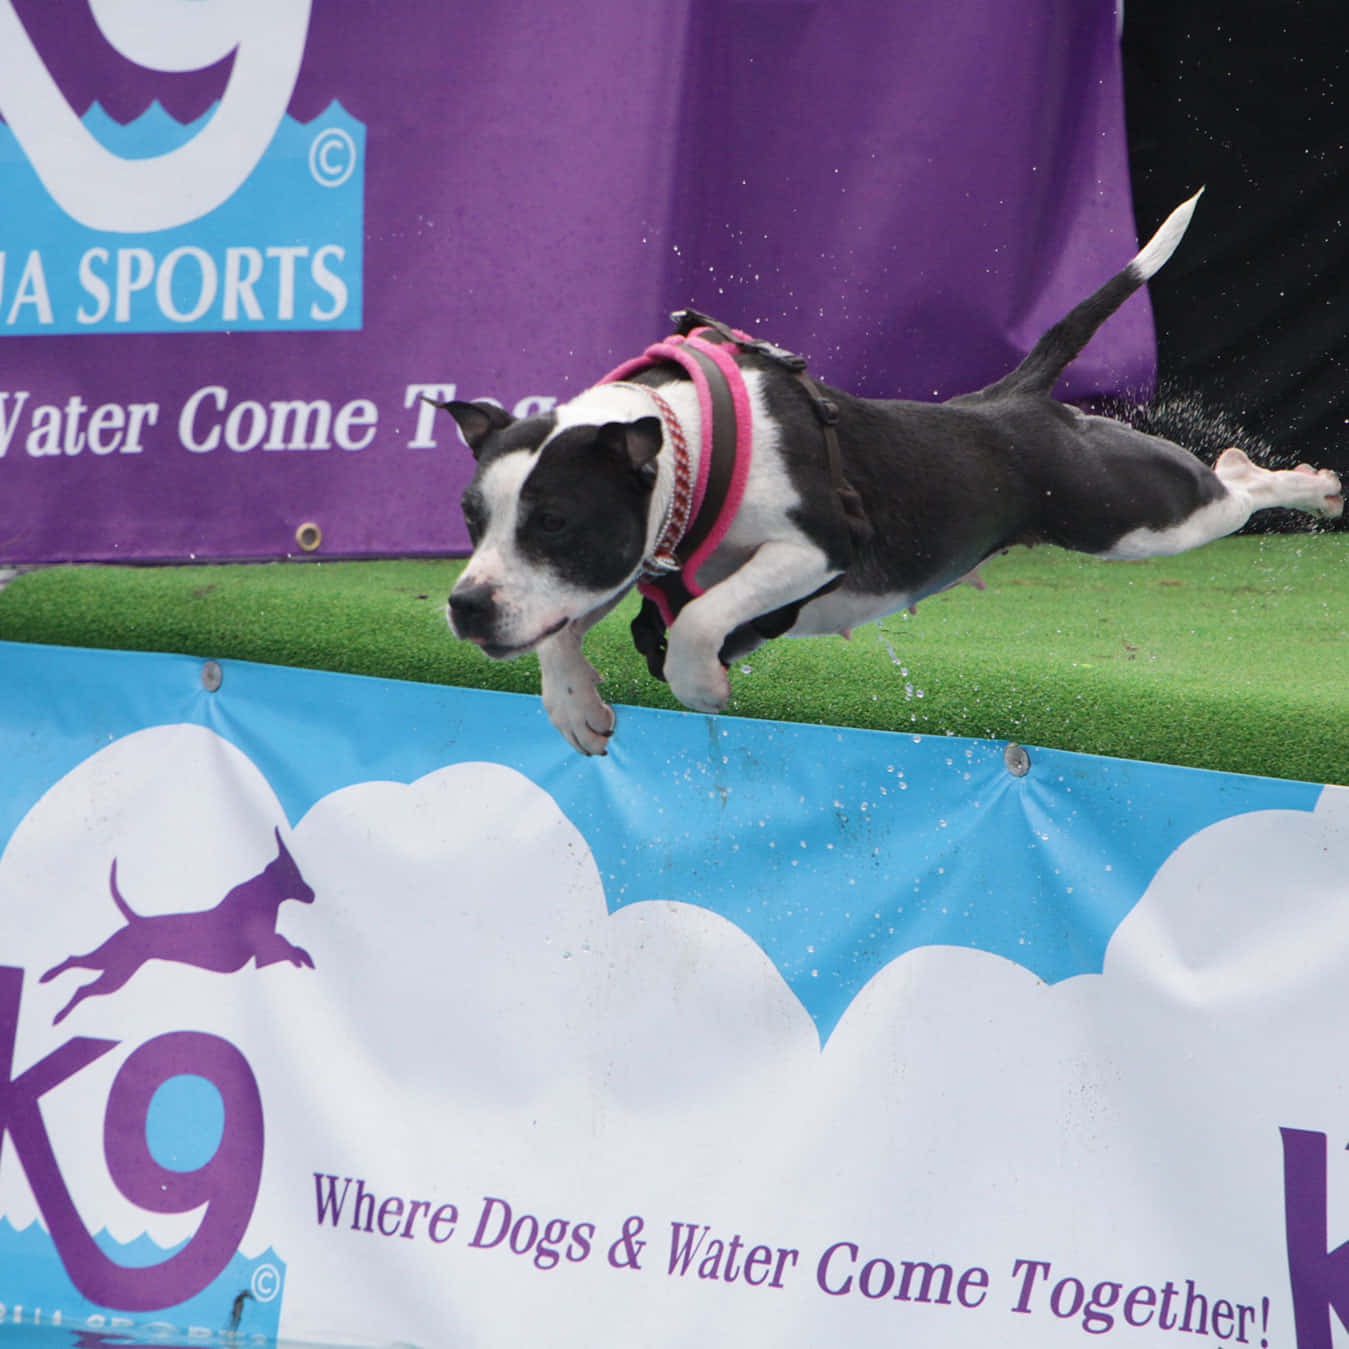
[[242, 927]]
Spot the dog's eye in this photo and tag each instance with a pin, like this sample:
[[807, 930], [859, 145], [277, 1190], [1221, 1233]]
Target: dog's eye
[[473, 520], [550, 522]]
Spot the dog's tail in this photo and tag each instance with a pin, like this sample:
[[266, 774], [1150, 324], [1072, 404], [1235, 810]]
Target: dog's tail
[[117, 898], [1062, 344]]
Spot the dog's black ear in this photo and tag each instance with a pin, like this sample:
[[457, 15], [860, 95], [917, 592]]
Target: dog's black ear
[[639, 442], [477, 421]]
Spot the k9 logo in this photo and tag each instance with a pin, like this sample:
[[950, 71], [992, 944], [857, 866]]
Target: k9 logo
[[104, 191], [227, 1184]]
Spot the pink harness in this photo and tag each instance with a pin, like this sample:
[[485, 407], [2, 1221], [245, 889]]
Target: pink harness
[[705, 362], [701, 512]]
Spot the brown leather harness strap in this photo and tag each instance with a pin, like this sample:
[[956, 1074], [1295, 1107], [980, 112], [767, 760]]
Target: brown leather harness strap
[[824, 407]]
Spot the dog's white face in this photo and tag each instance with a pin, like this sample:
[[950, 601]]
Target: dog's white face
[[558, 519]]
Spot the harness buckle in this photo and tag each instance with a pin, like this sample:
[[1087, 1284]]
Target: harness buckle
[[686, 320], [789, 360], [689, 320], [660, 564], [826, 409]]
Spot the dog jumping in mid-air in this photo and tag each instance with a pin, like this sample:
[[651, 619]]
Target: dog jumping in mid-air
[[749, 501], [240, 928]]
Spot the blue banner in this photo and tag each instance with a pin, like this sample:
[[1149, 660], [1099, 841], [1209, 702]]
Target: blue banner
[[284, 251], [344, 1008]]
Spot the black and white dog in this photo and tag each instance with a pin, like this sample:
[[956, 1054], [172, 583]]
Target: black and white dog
[[567, 510]]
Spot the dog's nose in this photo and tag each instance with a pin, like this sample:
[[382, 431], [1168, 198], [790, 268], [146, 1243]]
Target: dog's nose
[[472, 610]]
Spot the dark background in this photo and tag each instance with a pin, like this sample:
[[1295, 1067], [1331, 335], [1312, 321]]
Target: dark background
[[1252, 314]]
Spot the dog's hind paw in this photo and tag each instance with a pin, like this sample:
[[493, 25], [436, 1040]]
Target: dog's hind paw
[[1317, 491], [1331, 501]]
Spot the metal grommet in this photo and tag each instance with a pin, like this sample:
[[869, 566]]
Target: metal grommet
[[1017, 760], [309, 536], [212, 676]]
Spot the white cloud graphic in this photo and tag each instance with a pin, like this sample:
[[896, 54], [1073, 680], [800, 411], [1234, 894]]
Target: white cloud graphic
[[478, 1025]]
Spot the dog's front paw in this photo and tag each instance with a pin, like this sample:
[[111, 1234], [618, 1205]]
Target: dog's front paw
[[299, 956], [585, 720], [699, 684], [586, 723]]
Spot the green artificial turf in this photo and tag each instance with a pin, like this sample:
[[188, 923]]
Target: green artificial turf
[[1234, 657]]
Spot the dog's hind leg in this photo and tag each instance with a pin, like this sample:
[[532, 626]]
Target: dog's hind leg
[[79, 996], [1247, 488], [107, 982], [1304, 488], [85, 962]]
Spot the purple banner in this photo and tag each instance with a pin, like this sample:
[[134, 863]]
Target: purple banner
[[241, 239]]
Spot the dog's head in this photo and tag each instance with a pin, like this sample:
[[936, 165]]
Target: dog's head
[[285, 876], [557, 512]]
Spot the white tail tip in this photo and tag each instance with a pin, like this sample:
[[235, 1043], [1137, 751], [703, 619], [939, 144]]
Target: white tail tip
[[1162, 244]]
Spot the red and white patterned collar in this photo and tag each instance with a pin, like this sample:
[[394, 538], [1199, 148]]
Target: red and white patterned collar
[[679, 509]]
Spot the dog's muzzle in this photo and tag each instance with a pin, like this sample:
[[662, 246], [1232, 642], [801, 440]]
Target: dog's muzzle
[[473, 612], [475, 616]]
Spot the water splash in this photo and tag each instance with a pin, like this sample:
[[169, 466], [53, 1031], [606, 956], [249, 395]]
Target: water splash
[[910, 692], [1183, 415]]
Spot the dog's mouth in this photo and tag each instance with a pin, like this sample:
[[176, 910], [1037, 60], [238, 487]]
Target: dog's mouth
[[500, 651]]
